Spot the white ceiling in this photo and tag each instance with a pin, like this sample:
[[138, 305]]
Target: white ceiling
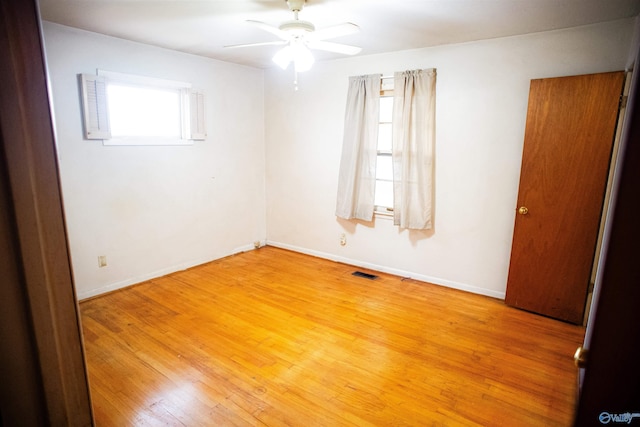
[[203, 27]]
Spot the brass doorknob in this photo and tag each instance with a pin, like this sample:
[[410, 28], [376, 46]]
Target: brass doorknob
[[580, 357], [522, 210]]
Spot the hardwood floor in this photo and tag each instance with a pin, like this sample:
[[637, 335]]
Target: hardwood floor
[[273, 338]]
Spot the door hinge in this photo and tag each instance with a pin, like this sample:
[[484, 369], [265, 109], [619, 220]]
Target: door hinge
[[623, 101]]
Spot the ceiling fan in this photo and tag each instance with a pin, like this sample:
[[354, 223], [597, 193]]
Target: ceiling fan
[[299, 36]]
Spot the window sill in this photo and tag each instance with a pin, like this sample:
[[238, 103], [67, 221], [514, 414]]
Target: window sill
[[383, 214], [146, 141]]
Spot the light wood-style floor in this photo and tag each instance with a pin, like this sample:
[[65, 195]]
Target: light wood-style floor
[[276, 338]]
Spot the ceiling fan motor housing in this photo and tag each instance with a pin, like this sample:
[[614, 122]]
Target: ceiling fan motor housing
[[297, 27]]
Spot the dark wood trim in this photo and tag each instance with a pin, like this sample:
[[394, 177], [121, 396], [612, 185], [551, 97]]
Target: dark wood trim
[[18, 356], [612, 375], [34, 230]]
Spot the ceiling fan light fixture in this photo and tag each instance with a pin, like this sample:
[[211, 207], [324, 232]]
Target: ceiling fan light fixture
[[300, 37], [297, 53], [302, 58], [283, 57]]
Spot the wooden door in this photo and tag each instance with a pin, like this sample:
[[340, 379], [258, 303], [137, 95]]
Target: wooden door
[[567, 147]]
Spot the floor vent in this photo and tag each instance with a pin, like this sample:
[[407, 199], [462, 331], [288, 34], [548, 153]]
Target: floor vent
[[365, 275]]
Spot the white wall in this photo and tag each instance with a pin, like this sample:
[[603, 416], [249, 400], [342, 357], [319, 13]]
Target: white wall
[[153, 210], [482, 92]]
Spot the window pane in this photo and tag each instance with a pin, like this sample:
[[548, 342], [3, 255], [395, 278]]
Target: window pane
[[384, 168], [384, 137], [386, 107], [384, 194], [140, 111], [387, 84]]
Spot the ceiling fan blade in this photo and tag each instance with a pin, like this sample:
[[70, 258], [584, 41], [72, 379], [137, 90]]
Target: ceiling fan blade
[[334, 47], [269, 28], [277, 42], [334, 31]]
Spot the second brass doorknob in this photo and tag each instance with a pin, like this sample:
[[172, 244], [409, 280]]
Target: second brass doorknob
[[522, 210]]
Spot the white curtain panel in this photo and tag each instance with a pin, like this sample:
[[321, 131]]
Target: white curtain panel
[[357, 179], [413, 147]]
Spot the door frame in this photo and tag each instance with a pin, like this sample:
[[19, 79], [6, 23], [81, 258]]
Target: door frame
[[609, 381], [51, 372]]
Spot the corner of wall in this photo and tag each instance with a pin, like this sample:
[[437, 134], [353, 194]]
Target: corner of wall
[[635, 44]]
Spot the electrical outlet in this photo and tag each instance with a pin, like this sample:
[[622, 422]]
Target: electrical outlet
[[343, 239], [102, 261]]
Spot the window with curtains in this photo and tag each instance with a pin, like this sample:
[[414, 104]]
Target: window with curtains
[[368, 169]]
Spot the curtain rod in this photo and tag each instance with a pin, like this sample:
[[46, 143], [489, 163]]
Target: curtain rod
[[391, 76]]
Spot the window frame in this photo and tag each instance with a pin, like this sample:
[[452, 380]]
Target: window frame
[[96, 108], [386, 91]]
